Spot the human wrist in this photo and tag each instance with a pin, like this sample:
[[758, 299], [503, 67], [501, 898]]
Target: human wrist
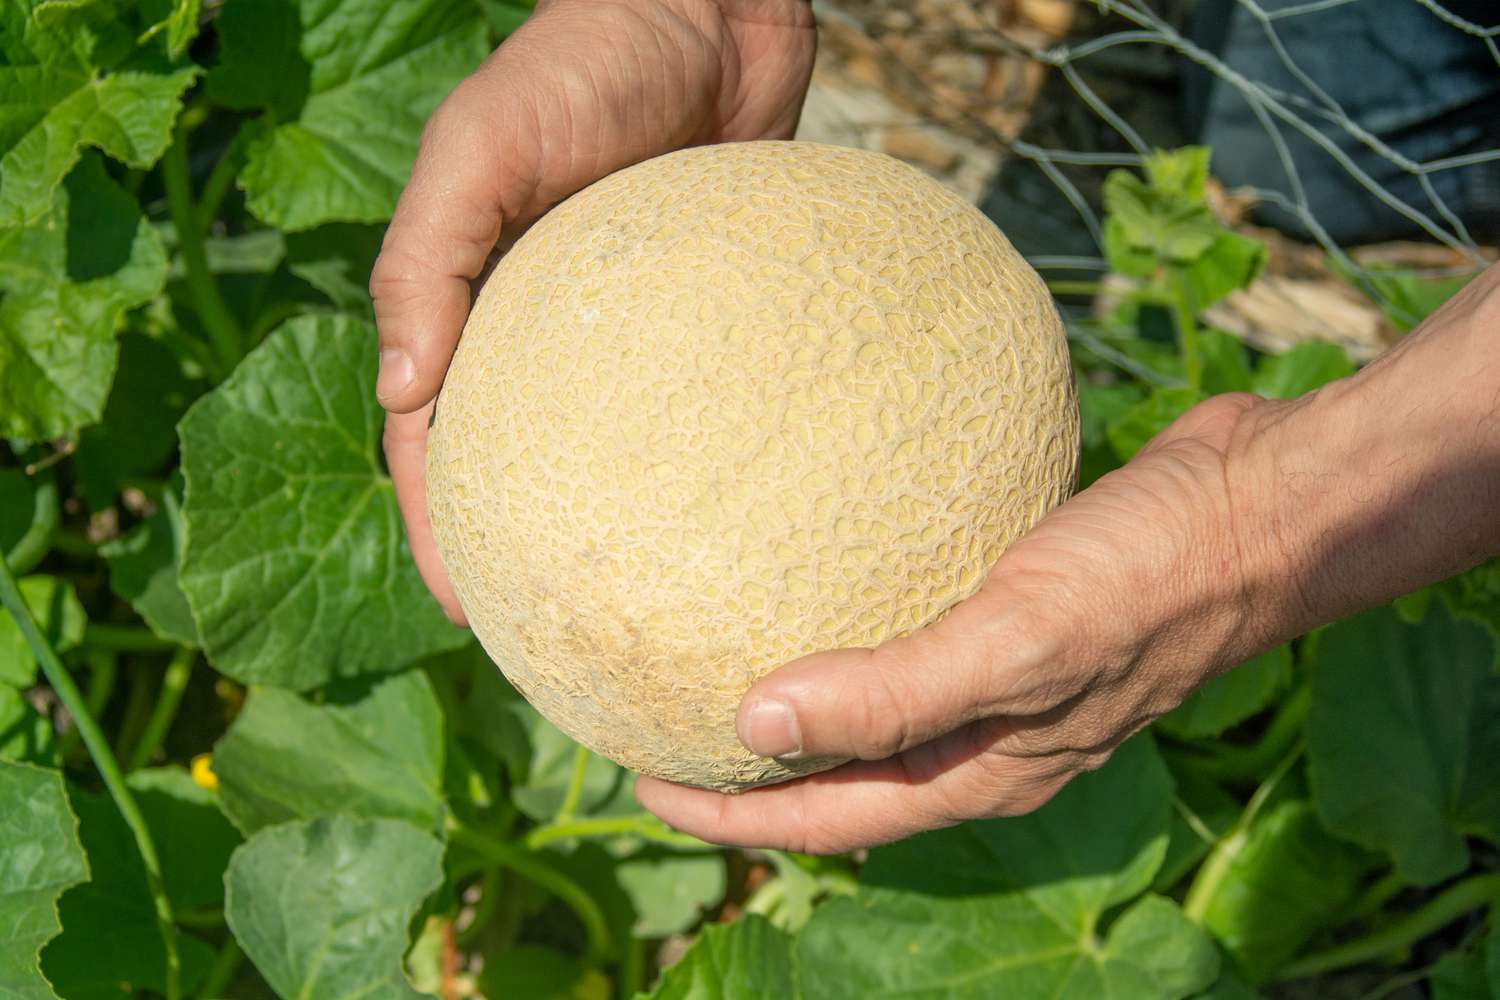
[[1376, 485]]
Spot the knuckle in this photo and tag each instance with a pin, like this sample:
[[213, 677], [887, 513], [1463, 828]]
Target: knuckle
[[881, 727]]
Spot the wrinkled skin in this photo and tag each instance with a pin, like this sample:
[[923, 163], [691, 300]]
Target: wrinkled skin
[[1245, 523]]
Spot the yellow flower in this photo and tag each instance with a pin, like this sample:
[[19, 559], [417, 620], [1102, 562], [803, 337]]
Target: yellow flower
[[203, 771]]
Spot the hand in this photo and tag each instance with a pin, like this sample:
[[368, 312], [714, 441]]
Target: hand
[[1101, 618], [1243, 524], [584, 88]]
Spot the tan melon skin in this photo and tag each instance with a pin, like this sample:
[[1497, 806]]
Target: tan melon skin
[[727, 407]]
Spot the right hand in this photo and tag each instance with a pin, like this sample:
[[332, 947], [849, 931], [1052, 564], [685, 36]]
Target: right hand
[[584, 88]]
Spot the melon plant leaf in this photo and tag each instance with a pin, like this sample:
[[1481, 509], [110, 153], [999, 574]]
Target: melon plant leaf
[[1229, 988], [295, 566], [1231, 698], [143, 571], [372, 748], [1302, 369], [352, 84], [58, 101], [18, 510], [606, 785], [671, 891], [25, 735], [64, 284], [1469, 974], [1226, 362], [109, 943], [1289, 881], [55, 607], [1148, 418], [192, 835], [336, 259], [1404, 739], [744, 959], [40, 858], [322, 907], [1014, 906]]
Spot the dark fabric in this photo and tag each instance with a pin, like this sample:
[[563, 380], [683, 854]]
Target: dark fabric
[[1424, 87]]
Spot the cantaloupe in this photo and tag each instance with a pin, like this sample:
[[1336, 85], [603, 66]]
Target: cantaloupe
[[729, 406]]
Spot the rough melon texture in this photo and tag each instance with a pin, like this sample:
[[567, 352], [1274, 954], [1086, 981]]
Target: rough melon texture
[[727, 407]]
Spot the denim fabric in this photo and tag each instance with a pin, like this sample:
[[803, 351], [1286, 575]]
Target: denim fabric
[[1424, 87]]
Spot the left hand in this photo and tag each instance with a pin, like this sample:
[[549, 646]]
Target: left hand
[[1103, 617]]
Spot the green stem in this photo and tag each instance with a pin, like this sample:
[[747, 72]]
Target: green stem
[[101, 686], [574, 793], [1382, 891], [1216, 866], [218, 322], [630, 982], [646, 828], [489, 897], [1245, 763], [1399, 936], [1187, 330], [168, 698], [222, 176], [98, 747], [1075, 287], [138, 706], [209, 917], [125, 638], [526, 864], [226, 965], [32, 547]]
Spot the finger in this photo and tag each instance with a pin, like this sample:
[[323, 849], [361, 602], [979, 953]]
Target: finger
[[445, 225], [405, 443], [862, 804], [869, 704]]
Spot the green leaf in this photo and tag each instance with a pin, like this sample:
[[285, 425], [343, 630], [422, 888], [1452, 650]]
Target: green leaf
[[1229, 988], [55, 607], [370, 748], [322, 907], [671, 892], [1231, 698], [40, 858], [64, 284], [1015, 906], [1226, 363], [25, 735], [143, 571], [1471, 973], [336, 260], [606, 785], [138, 432], [1302, 369], [1179, 173], [110, 944], [1404, 739], [1101, 405], [296, 567], [531, 972], [1148, 418], [1289, 881], [18, 501], [56, 106], [191, 835], [352, 100], [1230, 263], [747, 959], [505, 16]]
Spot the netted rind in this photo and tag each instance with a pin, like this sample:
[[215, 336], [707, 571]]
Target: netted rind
[[727, 407]]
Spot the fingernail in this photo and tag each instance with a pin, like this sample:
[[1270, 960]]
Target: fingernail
[[396, 373], [770, 729]]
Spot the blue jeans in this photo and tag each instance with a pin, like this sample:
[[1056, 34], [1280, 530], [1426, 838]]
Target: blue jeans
[[1425, 88]]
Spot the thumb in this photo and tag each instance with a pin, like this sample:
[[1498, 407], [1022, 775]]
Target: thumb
[[870, 704]]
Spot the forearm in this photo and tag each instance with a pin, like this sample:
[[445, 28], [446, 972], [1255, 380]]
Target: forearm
[[1380, 483]]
